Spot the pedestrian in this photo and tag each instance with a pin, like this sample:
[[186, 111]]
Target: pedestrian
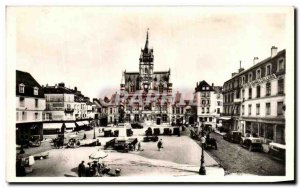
[[81, 169], [84, 136], [159, 144], [139, 146], [88, 170]]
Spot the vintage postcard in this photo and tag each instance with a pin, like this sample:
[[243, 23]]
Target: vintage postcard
[[150, 94]]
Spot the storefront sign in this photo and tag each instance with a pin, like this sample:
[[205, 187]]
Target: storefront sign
[[260, 80]]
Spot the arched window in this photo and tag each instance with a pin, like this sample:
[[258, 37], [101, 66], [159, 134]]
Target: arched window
[[268, 69], [258, 73], [250, 77], [243, 80]]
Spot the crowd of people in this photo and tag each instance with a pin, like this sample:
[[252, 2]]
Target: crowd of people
[[95, 169]]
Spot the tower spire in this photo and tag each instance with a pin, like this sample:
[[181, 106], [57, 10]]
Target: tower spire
[[146, 45]]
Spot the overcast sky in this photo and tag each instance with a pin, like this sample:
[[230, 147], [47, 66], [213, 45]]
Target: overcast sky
[[89, 47]]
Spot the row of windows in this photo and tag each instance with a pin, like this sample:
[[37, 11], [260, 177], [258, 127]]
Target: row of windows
[[22, 116], [22, 89], [218, 110], [280, 109], [235, 110], [258, 74], [205, 94], [280, 90], [22, 102]]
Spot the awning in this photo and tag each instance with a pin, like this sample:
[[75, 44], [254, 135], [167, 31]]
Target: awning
[[80, 123], [70, 125], [225, 118], [52, 125], [85, 122]]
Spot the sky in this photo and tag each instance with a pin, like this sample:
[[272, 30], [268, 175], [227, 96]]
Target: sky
[[89, 47]]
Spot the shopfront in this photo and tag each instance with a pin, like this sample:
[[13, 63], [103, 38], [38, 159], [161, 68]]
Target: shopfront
[[269, 131]]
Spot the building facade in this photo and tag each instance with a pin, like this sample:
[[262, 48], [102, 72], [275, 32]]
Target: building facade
[[146, 96], [66, 109], [262, 98], [30, 105], [183, 111], [209, 103]]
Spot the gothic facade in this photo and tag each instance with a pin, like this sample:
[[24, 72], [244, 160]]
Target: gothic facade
[[146, 95]]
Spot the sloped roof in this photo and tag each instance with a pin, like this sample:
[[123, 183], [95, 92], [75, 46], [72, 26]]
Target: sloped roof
[[202, 84], [30, 83], [57, 90]]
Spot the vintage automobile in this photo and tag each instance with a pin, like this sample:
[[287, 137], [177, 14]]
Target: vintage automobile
[[150, 138], [35, 141], [233, 136], [252, 142], [277, 151]]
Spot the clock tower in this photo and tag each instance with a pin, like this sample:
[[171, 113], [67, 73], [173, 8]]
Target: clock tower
[[146, 66]]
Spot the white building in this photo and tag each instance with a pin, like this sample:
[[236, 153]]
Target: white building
[[209, 101], [65, 108], [30, 104], [263, 98]]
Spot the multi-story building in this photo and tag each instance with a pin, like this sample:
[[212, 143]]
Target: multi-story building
[[183, 111], [65, 108], [208, 102], [261, 98], [100, 112], [231, 101], [112, 107], [30, 104], [146, 95]]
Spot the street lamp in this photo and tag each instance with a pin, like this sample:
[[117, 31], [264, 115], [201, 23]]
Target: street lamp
[[202, 170], [93, 123]]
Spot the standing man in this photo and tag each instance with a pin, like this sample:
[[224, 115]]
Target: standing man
[[159, 144], [81, 169]]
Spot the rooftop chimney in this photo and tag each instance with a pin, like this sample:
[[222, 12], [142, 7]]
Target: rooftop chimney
[[61, 84], [241, 69], [273, 51], [75, 88], [212, 85], [233, 74], [255, 60]]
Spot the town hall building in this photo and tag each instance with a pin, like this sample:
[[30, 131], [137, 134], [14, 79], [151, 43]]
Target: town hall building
[[146, 95]]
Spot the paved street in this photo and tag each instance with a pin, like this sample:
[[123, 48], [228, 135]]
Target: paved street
[[236, 159], [175, 159]]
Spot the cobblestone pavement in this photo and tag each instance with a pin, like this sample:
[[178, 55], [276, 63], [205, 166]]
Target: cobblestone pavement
[[236, 159]]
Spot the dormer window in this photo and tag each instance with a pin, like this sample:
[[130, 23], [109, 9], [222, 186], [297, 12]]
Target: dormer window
[[35, 91], [21, 88], [258, 73]]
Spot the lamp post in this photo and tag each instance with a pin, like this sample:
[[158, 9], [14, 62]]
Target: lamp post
[[94, 125], [202, 170]]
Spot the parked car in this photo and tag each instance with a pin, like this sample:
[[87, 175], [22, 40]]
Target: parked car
[[136, 126], [277, 151], [252, 142], [233, 136], [35, 141]]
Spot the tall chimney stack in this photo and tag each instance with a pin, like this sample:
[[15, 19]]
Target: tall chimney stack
[[273, 51], [255, 60]]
